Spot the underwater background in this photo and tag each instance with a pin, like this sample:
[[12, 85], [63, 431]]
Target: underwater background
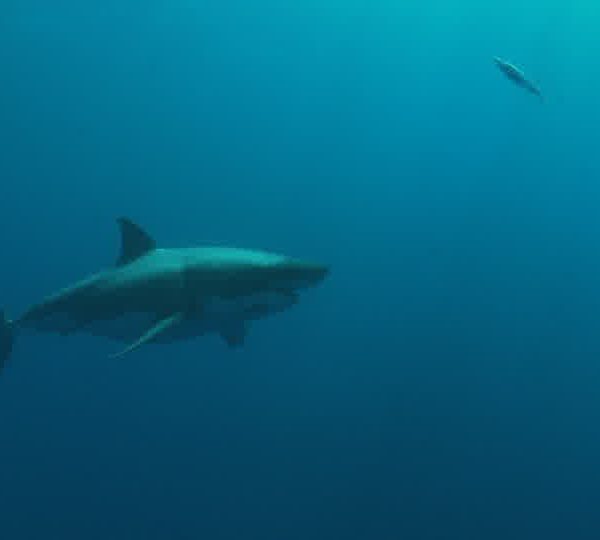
[[443, 382]]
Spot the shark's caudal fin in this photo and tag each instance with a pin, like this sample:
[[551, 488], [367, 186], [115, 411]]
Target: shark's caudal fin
[[6, 339], [135, 242]]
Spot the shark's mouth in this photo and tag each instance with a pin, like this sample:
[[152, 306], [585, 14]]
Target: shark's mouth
[[249, 306]]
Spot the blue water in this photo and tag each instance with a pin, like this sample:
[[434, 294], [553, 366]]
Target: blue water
[[442, 383]]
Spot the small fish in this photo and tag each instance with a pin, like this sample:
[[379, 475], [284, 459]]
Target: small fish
[[517, 76]]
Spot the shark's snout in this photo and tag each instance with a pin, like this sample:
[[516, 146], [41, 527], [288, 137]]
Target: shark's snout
[[319, 272], [300, 274], [315, 273]]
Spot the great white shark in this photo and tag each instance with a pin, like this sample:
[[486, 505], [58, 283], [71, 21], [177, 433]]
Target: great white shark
[[154, 295]]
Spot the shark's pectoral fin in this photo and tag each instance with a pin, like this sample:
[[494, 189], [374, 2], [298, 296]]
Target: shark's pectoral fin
[[234, 333], [161, 326]]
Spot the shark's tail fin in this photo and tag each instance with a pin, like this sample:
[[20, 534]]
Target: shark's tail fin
[[6, 339]]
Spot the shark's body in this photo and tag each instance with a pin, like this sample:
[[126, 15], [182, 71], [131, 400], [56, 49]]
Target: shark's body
[[517, 76], [163, 295]]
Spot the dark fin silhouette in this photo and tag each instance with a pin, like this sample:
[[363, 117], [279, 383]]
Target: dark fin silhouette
[[135, 242], [161, 326], [7, 339], [234, 334]]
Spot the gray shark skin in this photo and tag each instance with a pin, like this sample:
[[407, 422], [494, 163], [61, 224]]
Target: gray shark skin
[[155, 295], [518, 77]]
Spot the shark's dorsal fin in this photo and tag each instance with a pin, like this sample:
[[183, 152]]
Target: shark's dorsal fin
[[159, 327], [135, 242]]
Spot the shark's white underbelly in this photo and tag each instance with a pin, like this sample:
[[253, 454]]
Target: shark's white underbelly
[[240, 307], [213, 315], [130, 326]]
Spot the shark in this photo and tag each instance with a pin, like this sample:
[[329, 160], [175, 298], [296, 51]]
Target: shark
[[152, 295], [517, 76]]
